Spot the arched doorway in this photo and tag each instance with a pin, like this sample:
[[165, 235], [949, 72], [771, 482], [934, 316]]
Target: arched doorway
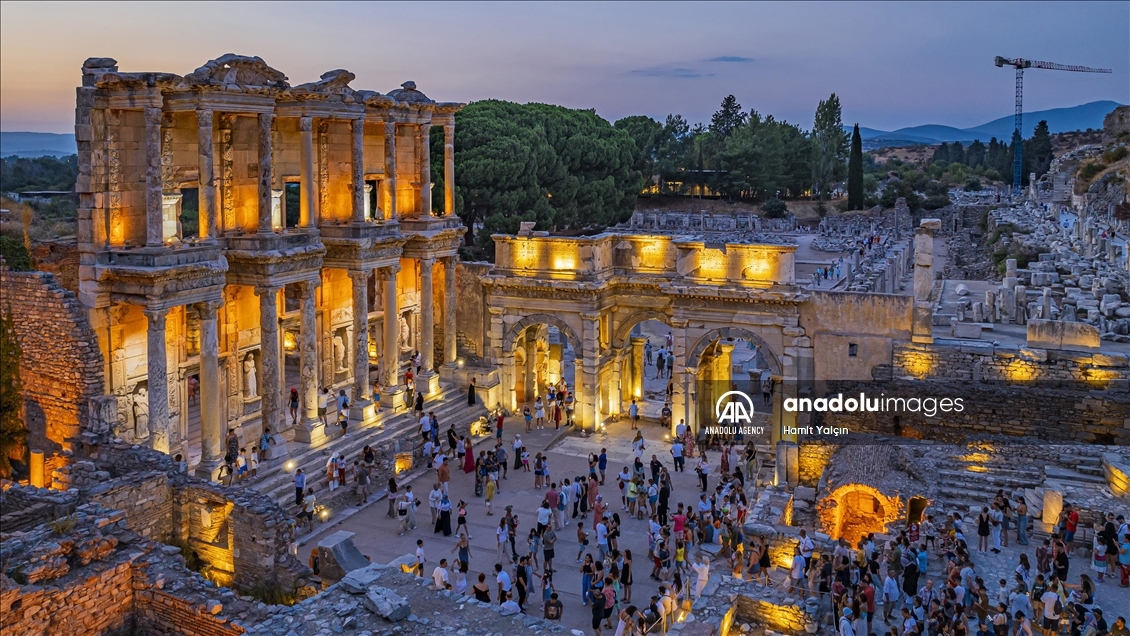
[[545, 352], [642, 369], [730, 359]]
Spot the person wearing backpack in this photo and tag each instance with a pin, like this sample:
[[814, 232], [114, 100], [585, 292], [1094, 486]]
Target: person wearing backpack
[[1053, 607]]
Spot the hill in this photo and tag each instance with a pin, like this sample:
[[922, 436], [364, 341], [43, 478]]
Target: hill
[[36, 144], [1060, 120]]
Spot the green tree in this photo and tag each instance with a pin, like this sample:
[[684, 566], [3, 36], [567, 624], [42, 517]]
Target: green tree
[[1038, 151], [40, 173], [561, 168], [647, 135], [13, 432], [855, 171], [728, 117], [15, 254], [774, 208], [829, 146]]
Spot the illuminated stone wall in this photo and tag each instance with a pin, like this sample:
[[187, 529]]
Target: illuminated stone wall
[[1030, 393], [471, 307], [61, 366]]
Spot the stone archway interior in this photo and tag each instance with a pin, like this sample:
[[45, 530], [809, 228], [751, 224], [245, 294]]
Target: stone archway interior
[[853, 510]]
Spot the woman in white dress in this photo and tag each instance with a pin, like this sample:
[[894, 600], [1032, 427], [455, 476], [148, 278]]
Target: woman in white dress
[[539, 413]]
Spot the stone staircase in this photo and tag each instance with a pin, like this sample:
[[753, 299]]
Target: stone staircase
[[968, 485], [450, 406]]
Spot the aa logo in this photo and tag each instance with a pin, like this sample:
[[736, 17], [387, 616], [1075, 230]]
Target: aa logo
[[734, 407]]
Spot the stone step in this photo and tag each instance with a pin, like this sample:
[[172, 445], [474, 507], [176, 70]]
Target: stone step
[[985, 480], [450, 407], [995, 468], [1075, 460], [1068, 475], [1090, 470]]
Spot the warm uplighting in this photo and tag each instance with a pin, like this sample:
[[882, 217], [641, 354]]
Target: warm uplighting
[[289, 466], [403, 463], [919, 364], [564, 262], [290, 341], [459, 362], [325, 514], [1020, 371]]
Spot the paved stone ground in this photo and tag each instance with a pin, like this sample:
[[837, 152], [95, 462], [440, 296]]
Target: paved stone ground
[[377, 534]]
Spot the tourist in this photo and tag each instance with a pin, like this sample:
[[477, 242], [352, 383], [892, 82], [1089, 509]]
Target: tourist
[[410, 497], [703, 471], [440, 577], [983, 530], [443, 524], [548, 541], [553, 607], [634, 414], [293, 400], [323, 405], [481, 590], [471, 393], [309, 503], [1124, 560], [299, 486], [361, 476], [434, 497], [539, 413], [490, 490]]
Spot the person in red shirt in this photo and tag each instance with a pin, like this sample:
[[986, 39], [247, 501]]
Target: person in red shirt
[[1070, 522]]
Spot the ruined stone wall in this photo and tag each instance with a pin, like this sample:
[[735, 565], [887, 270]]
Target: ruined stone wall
[[160, 612], [871, 322], [146, 499], [23, 507], [470, 303], [813, 460], [61, 367], [1026, 393], [96, 605], [59, 257]]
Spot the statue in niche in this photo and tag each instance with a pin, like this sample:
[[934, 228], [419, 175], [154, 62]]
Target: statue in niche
[[141, 414], [339, 352], [252, 384], [405, 340]]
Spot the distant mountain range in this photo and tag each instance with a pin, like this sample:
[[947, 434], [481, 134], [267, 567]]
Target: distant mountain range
[[36, 144], [1059, 120], [1082, 117]]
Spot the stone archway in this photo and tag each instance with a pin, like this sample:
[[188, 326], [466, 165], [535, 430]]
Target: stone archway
[[623, 331], [711, 360], [532, 362]]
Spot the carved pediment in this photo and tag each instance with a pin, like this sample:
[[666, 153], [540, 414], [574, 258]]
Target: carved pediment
[[232, 69], [407, 94], [373, 98]]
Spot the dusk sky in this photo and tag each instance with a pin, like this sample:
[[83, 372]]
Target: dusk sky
[[892, 64]]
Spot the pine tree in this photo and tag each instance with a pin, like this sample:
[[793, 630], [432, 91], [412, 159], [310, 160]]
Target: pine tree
[[13, 433], [855, 171], [728, 117], [829, 146]]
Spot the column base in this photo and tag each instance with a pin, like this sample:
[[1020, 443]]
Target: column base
[[447, 372], [276, 449], [310, 431], [362, 411], [429, 381], [209, 470], [394, 399]]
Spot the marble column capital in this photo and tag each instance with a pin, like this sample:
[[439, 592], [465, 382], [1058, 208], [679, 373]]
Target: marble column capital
[[496, 311], [208, 309], [449, 262], [308, 286], [155, 315], [306, 124], [389, 272], [428, 262], [269, 290], [204, 117], [677, 323], [590, 316], [448, 133], [359, 274]]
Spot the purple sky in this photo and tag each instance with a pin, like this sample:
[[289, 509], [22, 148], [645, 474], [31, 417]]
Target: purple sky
[[892, 64]]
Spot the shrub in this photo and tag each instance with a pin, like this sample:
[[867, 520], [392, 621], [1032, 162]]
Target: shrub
[[1115, 154], [16, 256], [973, 184], [774, 209], [1090, 169], [936, 201], [272, 592]]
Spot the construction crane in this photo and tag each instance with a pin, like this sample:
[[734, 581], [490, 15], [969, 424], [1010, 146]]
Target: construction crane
[[1021, 64]]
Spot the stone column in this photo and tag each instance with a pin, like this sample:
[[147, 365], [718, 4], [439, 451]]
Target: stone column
[[680, 402], [449, 328], [357, 158], [449, 169], [390, 353], [428, 377], [306, 205], [211, 439], [638, 371], [360, 334], [390, 171], [154, 232], [266, 120], [308, 361], [158, 387], [724, 367], [270, 386], [425, 135], [922, 319], [530, 373], [586, 403], [207, 194]]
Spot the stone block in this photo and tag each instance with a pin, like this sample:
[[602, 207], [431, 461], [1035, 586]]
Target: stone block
[[338, 556], [966, 330], [931, 224], [1057, 334], [358, 581], [387, 604]]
